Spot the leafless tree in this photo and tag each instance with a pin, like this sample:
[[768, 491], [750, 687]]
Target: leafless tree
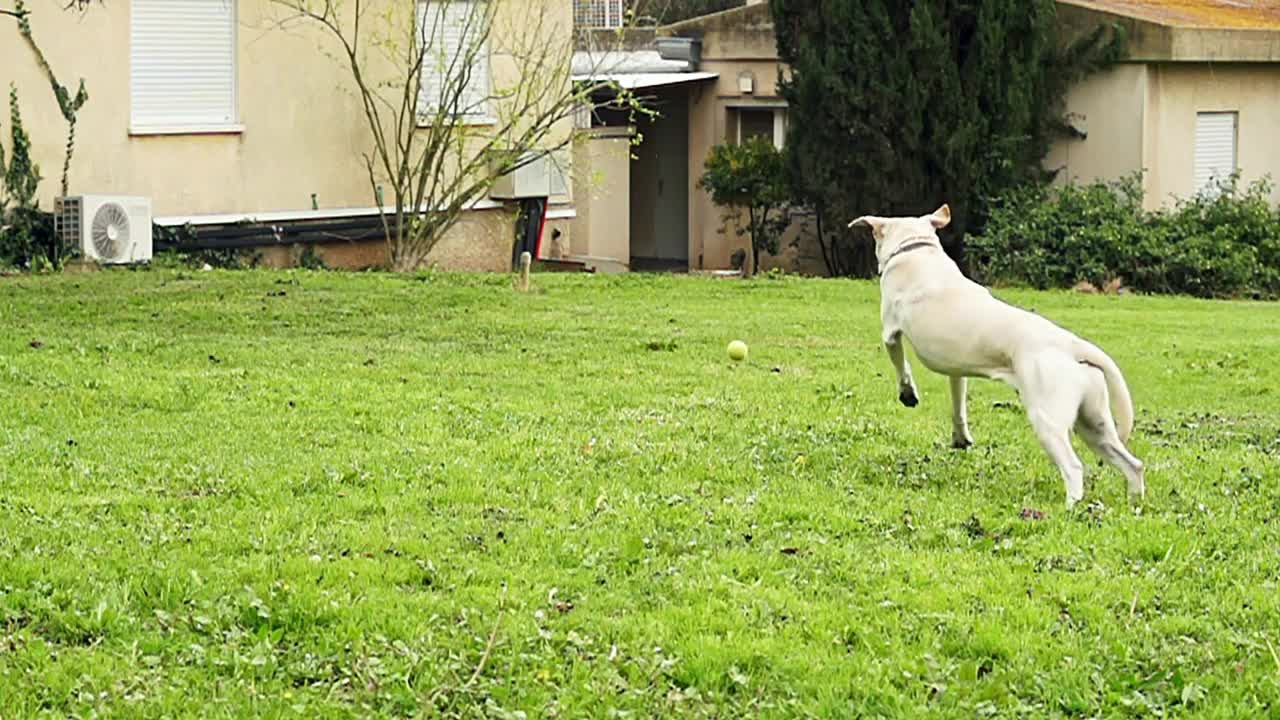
[[443, 127]]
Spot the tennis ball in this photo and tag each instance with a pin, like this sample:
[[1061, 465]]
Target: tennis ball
[[738, 350]]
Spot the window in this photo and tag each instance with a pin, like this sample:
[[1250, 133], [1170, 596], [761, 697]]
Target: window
[[597, 13], [755, 124], [1215, 147], [182, 66], [769, 123], [455, 71]]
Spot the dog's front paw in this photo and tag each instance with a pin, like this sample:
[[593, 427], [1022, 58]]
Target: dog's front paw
[[961, 442], [907, 396]]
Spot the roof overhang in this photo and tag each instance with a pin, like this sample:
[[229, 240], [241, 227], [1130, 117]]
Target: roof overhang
[[618, 62], [1157, 38], [636, 81]]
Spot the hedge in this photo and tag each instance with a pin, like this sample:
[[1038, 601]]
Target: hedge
[[1223, 242]]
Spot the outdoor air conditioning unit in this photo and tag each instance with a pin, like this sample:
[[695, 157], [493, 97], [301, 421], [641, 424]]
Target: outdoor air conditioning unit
[[543, 174], [109, 229]]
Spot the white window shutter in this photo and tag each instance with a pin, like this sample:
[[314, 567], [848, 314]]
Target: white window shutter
[[1215, 147], [436, 35], [182, 63], [450, 30]]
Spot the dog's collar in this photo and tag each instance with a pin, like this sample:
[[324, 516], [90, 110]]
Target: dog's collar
[[913, 243]]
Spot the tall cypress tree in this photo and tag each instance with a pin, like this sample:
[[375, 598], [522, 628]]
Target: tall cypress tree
[[897, 106]]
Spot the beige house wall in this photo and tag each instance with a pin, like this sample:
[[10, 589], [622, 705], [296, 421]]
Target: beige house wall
[[1142, 116], [735, 43], [1178, 91], [602, 190], [481, 241], [709, 125], [713, 234], [1110, 108], [304, 130], [707, 119]]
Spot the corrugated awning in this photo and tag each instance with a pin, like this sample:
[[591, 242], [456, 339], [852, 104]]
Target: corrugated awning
[[618, 62], [635, 81]]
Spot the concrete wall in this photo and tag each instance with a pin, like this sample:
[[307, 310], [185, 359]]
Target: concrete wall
[[1191, 32], [481, 241], [707, 119], [1176, 92], [798, 248], [1110, 107], [602, 193], [1143, 117], [304, 128]]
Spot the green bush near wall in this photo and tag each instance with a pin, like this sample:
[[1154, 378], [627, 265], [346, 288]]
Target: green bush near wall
[[1224, 242]]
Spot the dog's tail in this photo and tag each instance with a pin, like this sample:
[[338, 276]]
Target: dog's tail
[[1121, 401]]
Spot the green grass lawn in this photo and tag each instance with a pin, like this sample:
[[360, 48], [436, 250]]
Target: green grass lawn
[[336, 495]]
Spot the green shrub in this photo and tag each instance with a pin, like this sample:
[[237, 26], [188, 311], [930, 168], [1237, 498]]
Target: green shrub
[[1215, 244], [750, 176], [1222, 242], [24, 231]]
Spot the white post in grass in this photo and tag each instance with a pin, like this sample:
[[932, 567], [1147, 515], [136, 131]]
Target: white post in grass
[[526, 260]]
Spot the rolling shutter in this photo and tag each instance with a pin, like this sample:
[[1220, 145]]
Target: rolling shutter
[[1215, 147], [451, 30], [182, 63]]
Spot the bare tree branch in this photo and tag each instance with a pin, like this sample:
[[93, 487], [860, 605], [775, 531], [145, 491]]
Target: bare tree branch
[[20, 12]]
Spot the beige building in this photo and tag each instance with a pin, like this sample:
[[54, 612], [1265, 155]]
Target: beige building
[[709, 80], [222, 116], [1197, 98], [221, 113], [738, 45]]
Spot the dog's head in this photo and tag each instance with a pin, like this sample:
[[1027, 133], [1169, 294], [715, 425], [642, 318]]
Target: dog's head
[[892, 233]]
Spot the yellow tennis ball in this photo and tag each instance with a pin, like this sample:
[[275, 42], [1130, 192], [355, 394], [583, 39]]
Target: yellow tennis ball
[[738, 350]]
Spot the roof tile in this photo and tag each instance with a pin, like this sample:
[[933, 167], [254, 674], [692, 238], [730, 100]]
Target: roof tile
[[1217, 14]]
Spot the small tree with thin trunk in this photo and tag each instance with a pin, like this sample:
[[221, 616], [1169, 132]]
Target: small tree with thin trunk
[[750, 177], [443, 127]]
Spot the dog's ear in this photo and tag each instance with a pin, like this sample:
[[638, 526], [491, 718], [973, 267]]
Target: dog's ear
[[867, 221], [941, 217]]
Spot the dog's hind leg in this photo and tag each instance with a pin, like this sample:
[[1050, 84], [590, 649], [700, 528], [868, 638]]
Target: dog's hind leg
[[1056, 441], [1098, 429], [960, 437], [1053, 396], [907, 394]]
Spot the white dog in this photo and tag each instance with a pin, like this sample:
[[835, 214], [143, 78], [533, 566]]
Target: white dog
[[959, 330]]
